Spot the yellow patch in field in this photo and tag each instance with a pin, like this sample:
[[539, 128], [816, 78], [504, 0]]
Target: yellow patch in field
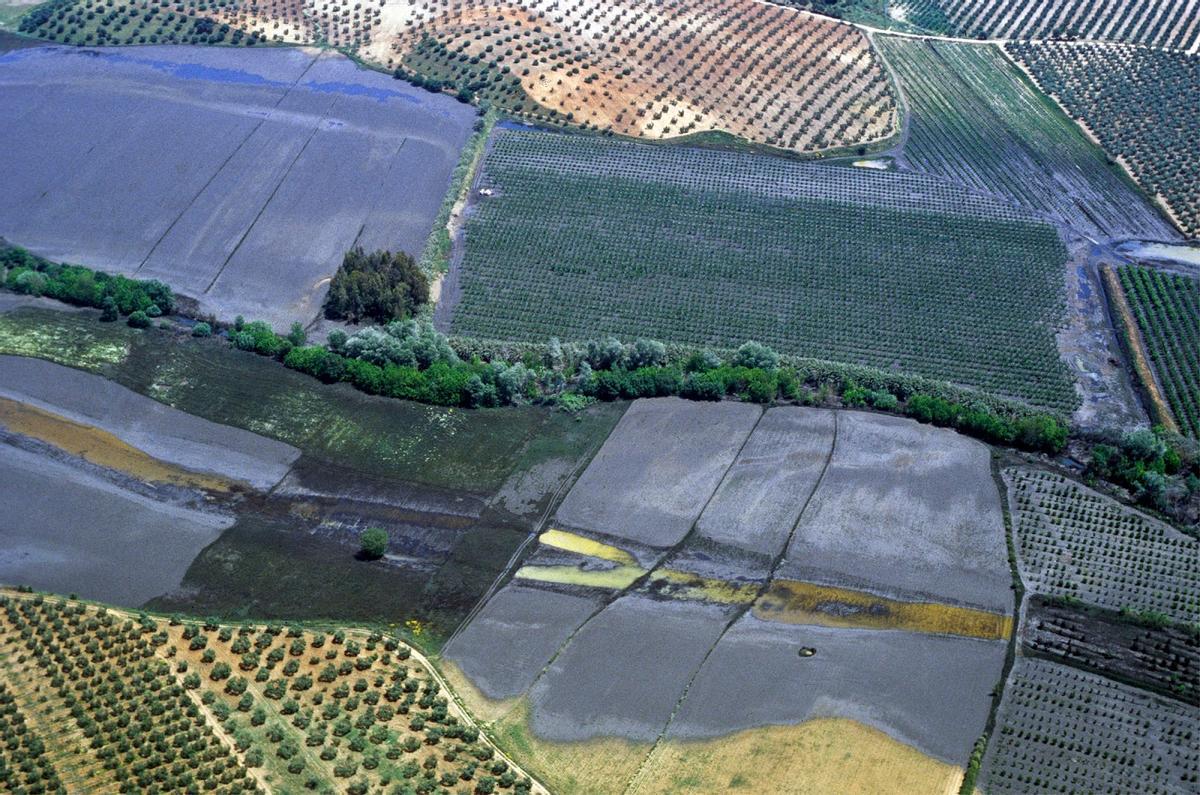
[[818, 756], [615, 578], [99, 447], [685, 585], [603, 766], [561, 539], [795, 602]]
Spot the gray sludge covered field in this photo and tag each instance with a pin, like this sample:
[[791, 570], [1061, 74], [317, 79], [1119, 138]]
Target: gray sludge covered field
[[731, 499], [239, 177]]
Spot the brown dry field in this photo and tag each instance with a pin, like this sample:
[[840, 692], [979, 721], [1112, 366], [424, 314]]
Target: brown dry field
[[99, 447], [817, 757], [653, 70]]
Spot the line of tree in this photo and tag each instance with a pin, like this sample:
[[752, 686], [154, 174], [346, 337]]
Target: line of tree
[[30, 274]]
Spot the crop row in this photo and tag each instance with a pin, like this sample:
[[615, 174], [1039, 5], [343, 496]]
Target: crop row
[[1173, 24], [1061, 730], [581, 255], [1140, 104], [1076, 543], [314, 711], [975, 121], [647, 69], [1167, 309], [25, 766], [113, 702], [719, 172], [657, 70]]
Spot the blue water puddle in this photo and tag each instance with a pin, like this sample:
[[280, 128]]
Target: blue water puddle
[[359, 90]]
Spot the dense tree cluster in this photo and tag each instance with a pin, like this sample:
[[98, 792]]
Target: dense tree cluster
[[381, 286]]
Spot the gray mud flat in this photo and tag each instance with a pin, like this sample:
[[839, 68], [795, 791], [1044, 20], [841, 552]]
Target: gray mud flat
[[622, 674], [658, 468], [761, 497], [156, 429], [67, 531], [239, 177], [928, 691], [520, 629], [907, 511]]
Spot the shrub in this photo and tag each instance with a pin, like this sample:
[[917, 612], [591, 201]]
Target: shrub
[[201, 330], [753, 354], [139, 319], [374, 542]]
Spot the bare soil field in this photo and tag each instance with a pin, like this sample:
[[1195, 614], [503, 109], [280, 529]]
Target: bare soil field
[[71, 531], [160, 431], [907, 511], [541, 618], [768, 485], [240, 178], [703, 642], [765, 73], [926, 691], [588, 691], [654, 474]]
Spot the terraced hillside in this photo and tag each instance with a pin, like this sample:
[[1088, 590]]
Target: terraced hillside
[[977, 121], [1141, 106], [585, 237], [765, 73], [1171, 24]]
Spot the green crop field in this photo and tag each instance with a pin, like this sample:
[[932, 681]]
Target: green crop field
[[1141, 105], [975, 120], [585, 237], [1167, 309]]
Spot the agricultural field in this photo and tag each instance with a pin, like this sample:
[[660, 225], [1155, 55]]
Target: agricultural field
[[976, 120], [1060, 729], [1166, 307], [1074, 542], [458, 492], [585, 237], [719, 627], [1139, 104], [129, 703], [635, 67], [199, 167], [1165, 24]]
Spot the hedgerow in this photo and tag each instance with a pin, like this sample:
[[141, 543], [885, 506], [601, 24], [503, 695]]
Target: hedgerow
[[74, 284]]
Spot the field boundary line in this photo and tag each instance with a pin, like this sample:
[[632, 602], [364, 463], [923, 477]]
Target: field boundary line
[[628, 589], [224, 163], [311, 134], [741, 610], [505, 574], [1131, 335]]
